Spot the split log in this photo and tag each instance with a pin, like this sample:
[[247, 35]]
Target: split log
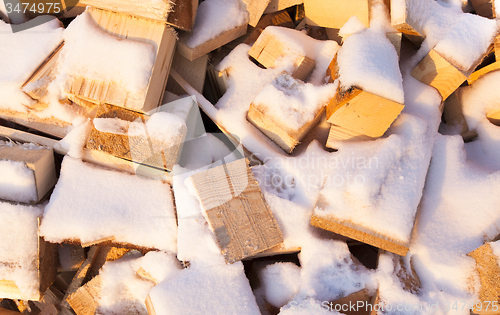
[[280, 18], [278, 5], [255, 8], [140, 29], [488, 269], [84, 300], [236, 210], [437, 72], [40, 161], [334, 14]]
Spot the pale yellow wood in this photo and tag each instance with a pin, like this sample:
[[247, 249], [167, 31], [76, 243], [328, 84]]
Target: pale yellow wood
[[362, 112], [50, 126], [338, 133], [335, 13], [84, 300], [236, 210], [255, 8], [149, 306], [42, 76], [488, 270], [479, 73], [281, 18], [275, 251], [143, 274], [159, 11], [494, 117], [192, 53], [278, 5], [161, 36], [435, 71], [360, 234], [41, 162], [96, 242], [192, 71], [304, 69]]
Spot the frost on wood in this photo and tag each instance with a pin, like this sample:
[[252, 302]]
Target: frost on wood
[[90, 203]]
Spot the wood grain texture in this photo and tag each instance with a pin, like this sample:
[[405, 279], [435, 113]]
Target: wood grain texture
[[161, 36], [280, 18], [304, 69], [255, 8], [361, 296], [334, 14], [435, 71], [338, 133], [41, 162], [268, 48], [236, 210], [155, 12], [192, 53], [84, 300], [488, 269], [361, 234], [483, 71]]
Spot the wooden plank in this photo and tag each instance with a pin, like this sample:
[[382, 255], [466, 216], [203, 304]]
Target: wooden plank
[[84, 300], [159, 10], [483, 8], [37, 83], [483, 71], [278, 5], [236, 210], [280, 18], [40, 161], [396, 38], [488, 270], [338, 133], [435, 71], [192, 71], [192, 53], [358, 233], [335, 13], [304, 69], [399, 20], [362, 112], [183, 14], [161, 36], [496, 45], [51, 126], [138, 149], [255, 8], [494, 117]]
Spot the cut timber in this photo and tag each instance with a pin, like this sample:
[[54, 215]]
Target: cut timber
[[36, 85], [453, 115], [358, 233], [51, 126], [399, 20], [362, 112], [275, 251], [496, 46], [494, 117], [278, 5], [483, 8], [479, 73], [342, 134], [435, 71], [161, 36], [236, 210], [396, 38], [183, 14], [360, 298], [255, 8], [334, 14], [47, 269], [488, 269], [268, 49], [138, 149], [192, 53], [192, 71], [84, 300], [280, 18], [39, 160], [304, 69]]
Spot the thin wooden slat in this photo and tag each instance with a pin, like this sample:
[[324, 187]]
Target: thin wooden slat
[[236, 210], [483, 71]]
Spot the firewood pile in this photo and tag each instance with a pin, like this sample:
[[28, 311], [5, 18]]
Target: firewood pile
[[249, 157]]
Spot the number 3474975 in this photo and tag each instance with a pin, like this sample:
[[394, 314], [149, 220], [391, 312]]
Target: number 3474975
[[40, 7]]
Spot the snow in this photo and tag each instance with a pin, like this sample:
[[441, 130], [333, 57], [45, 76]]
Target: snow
[[19, 248], [281, 282], [306, 306], [369, 61], [123, 291], [17, 182], [94, 54], [352, 26], [214, 17], [495, 247], [74, 141], [290, 103], [466, 42], [90, 203], [217, 289], [20, 55]]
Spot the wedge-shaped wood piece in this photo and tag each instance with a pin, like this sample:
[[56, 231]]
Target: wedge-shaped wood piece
[[125, 26], [36, 172], [362, 112], [399, 20], [334, 14], [278, 5], [435, 71], [268, 49], [496, 46], [290, 96], [43, 264], [221, 39], [36, 85], [236, 210], [84, 300], [343, 134], [479, 73], [124, 133], [280, 18], [488, 269], [361, 299]]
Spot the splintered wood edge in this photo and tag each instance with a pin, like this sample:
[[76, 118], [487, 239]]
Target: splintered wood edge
[[487, 267], [355, 233], [84, 300]]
